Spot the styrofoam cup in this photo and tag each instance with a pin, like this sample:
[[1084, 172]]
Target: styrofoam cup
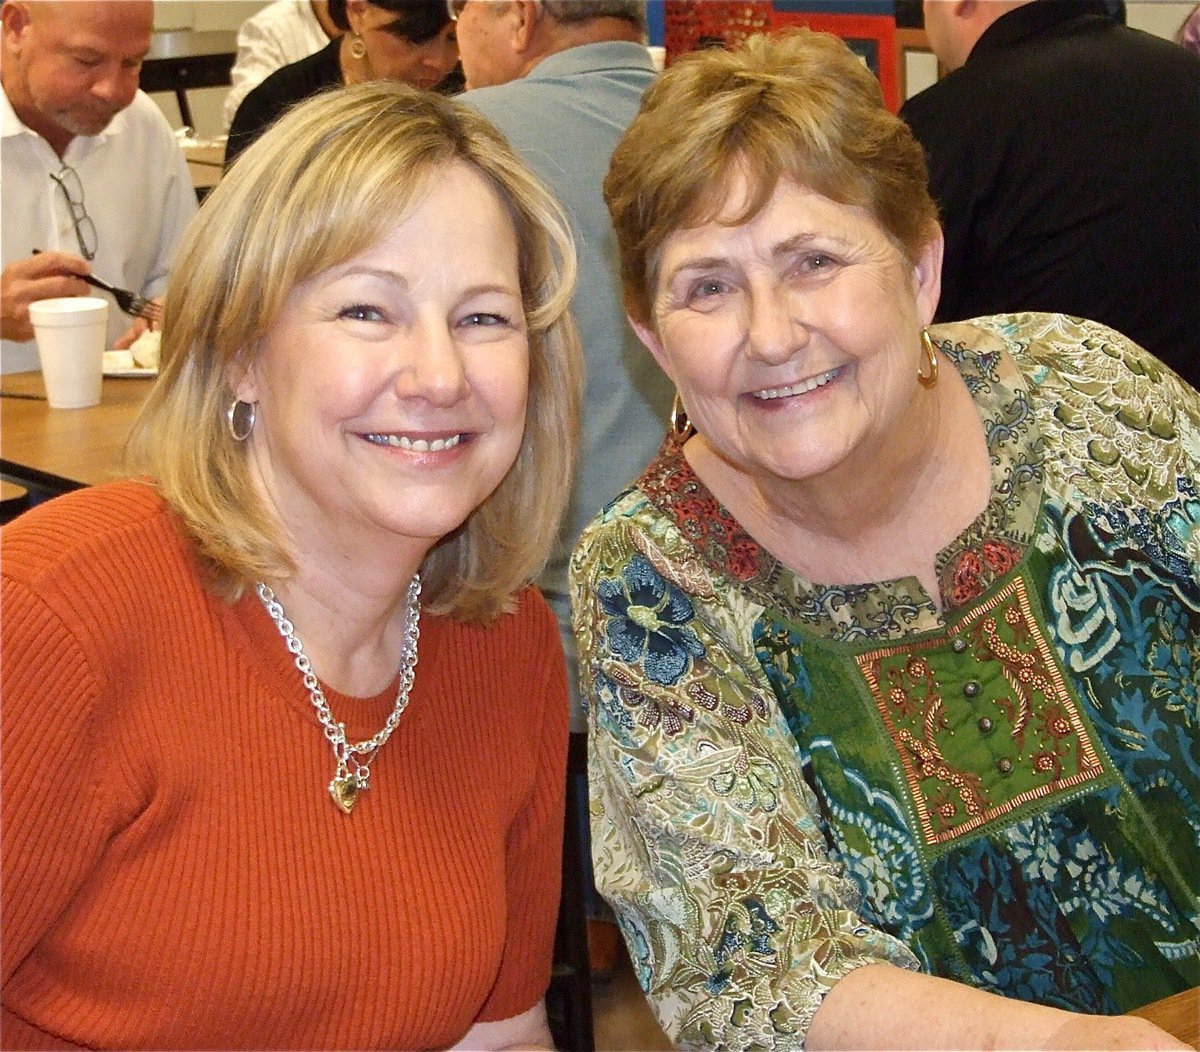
[[71, 335]]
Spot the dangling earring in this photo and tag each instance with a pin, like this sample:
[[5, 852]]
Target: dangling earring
[[358, 47], [241, 417], [929, 379], [681, 426]]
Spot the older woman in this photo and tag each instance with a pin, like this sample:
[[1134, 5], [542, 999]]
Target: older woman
[[407, 40], [238, 811], [892, 652]]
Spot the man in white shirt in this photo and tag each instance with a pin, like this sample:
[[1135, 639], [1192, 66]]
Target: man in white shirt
[[281, 33], [90, 169]]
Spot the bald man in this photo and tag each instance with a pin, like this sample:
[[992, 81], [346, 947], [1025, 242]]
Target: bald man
[[1063, 154], [91, 172]]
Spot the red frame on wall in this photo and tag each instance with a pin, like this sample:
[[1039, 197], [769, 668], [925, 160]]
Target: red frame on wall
[[689, 24], [871, 36]]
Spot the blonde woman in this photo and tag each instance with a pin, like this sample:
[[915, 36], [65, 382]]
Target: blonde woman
[[284, 726]]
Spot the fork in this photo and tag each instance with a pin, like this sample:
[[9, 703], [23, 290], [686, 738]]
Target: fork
[[130, 302]]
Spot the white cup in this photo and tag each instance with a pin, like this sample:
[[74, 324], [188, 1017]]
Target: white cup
[[71, 334]]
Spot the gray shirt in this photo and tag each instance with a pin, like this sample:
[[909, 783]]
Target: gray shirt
[[565, 118]]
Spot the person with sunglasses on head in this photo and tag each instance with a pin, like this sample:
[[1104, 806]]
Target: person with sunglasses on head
[[74, 126], [407, 40]]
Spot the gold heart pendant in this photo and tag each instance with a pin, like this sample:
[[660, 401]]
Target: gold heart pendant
[[345, 793]]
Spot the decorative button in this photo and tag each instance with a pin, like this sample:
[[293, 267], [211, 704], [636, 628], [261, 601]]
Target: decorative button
[[1004, 765], [971, 688], [959, 645], [986, 724]]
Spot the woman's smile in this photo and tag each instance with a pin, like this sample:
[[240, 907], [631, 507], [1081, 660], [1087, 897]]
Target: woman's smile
[[416, 445], [770, 394]]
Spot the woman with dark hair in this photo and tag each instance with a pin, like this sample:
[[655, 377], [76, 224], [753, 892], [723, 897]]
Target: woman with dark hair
[[407, 40]]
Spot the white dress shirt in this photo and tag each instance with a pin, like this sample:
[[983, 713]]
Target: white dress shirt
[[136, 190], [281, 33]]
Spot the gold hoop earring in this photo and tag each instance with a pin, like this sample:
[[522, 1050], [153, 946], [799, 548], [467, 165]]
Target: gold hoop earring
[[241, 417], [681, 426], [930, 378], [358, 47]]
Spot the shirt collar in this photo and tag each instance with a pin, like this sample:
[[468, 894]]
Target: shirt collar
[[1032, 20], [593, 58], [12, 125]]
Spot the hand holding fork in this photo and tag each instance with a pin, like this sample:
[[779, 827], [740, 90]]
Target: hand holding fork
[[130, 302]]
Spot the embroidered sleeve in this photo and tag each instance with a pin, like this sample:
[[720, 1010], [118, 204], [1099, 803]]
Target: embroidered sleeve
[[703, 833]]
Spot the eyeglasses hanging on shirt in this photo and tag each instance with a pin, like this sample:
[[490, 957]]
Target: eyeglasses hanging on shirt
[[85, 230]]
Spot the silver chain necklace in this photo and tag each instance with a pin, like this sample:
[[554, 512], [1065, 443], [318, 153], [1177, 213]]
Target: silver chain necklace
[[353, 775]]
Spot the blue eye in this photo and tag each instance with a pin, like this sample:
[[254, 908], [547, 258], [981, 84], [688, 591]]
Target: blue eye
[[707, 289], [361, 312], [485, 319], [816, 263]]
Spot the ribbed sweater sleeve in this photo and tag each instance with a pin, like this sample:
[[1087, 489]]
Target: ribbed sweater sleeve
[[56, 798], [534, 848], [175, 874]]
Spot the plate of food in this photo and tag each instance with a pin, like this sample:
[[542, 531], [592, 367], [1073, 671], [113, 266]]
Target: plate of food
[[139, 359]]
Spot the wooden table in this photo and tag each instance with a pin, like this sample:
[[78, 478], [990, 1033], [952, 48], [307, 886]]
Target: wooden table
[[64, 449], [205, 164], [14, 499], [1178, 1015]]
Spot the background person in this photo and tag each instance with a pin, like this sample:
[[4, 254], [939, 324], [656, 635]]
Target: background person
[[891, 654], [90, 167], [1062, 154], [283, 32], [406, 40], [1189, 32], [562, 79], [353, 412]]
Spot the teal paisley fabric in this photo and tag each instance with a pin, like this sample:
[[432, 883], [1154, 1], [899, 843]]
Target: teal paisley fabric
[[791, 780]]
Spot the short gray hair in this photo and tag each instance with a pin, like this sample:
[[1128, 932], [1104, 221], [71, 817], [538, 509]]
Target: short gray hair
[[567, 11]]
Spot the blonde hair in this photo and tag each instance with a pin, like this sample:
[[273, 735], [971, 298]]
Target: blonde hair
[[319, 188], [797, 104]]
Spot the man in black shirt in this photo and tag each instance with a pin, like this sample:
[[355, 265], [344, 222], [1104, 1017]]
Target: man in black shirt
[[1064, 155]]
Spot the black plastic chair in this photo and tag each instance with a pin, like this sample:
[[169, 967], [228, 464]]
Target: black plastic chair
[[569, 999]]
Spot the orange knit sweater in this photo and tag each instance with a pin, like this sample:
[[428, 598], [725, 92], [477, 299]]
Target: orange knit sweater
[[175, 874]]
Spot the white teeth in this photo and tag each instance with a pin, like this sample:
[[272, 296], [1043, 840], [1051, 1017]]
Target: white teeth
[[810, 384], [416, 445]]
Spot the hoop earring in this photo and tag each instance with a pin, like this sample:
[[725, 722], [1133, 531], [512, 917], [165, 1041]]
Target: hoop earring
[[681, 426], [930, 378], [358, 47], [243, 413]]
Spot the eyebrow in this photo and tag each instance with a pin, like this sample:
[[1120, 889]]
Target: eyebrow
[[396, 278], [86, 52], [786, 247]]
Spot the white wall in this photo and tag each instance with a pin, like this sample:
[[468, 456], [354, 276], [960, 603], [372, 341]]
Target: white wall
[[201, 15], [1160, 17]]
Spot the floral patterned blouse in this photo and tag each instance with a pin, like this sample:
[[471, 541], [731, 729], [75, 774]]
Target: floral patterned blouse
[[790, 780]]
